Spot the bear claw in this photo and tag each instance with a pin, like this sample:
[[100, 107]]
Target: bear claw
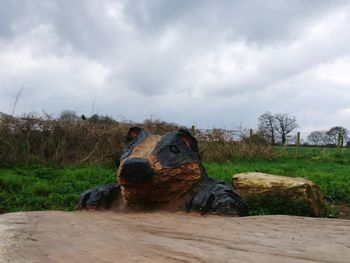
[[218, 198], [101, 196]]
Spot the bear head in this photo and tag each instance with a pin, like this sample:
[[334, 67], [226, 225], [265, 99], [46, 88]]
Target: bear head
[[156, 169]]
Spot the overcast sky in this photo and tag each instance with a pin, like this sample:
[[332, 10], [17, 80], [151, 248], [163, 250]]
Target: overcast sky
[[208, 63]]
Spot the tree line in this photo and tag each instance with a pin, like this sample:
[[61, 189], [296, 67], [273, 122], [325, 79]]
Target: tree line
[[277, 128], [72, 116], [335, 136]]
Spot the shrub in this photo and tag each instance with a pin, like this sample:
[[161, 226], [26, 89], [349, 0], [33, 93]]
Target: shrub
[[70, 140]]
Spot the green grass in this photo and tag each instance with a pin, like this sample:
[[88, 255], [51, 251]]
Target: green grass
[[329, 170], [24, 188], [40, 188]]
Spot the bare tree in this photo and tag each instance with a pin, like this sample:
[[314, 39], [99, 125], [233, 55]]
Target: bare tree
[[333, 134], [266, 126], [285, 124], [317, 138]]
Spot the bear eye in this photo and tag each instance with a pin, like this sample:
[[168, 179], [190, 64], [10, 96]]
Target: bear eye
[[174, 149]]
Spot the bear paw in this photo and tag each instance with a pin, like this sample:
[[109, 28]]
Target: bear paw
[[101, 196], [218, 198]]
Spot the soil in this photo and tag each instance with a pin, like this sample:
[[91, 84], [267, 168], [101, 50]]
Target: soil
[[58, 237]]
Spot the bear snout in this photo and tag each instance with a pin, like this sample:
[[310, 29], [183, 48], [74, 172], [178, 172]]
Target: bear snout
[[135, 170]]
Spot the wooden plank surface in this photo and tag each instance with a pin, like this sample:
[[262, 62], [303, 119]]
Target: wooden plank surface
[[164, 237]]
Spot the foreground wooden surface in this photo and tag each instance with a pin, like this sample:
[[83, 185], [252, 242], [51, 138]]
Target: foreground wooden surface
[[164, 237]]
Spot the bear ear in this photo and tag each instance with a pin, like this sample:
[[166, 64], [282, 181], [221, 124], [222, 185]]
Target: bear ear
[[187, 137], [134, 132]]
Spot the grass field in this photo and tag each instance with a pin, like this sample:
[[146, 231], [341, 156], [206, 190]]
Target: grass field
[[24, 188], [332, 177]]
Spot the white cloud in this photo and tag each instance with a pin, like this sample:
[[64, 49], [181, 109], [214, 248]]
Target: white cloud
[[337, 72], [204, 62], [46, 76]]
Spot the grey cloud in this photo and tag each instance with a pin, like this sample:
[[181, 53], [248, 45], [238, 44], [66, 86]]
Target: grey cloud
[[204, 62], [256, 21], [85, 25]]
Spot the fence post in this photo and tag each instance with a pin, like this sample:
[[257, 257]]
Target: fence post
[[297, 148], [250, 136], [339, 140]]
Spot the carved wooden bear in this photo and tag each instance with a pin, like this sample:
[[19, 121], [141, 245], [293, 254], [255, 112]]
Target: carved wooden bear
[[164, 172]]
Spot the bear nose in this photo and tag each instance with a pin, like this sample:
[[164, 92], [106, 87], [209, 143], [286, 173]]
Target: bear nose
[[136, 170]]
